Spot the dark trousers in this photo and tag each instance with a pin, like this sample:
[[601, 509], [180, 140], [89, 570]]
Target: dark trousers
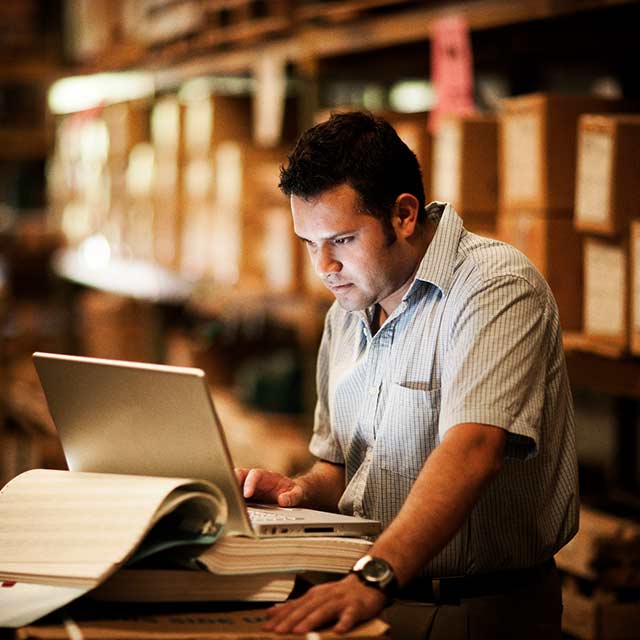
[[529, 612]]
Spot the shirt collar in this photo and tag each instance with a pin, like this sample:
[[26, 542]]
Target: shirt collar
[[439, 260]]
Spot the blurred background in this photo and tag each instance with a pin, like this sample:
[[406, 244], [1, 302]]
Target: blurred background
[[140, 147]]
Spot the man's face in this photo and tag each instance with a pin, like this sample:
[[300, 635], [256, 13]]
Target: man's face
[[349, 249]]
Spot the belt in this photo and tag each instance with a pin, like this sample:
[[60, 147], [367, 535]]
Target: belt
[[455, 588]]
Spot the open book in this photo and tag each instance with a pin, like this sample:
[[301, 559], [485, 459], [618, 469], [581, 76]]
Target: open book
[[73, 531]]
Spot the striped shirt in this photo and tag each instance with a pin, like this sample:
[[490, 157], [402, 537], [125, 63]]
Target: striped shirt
[[476, 338]]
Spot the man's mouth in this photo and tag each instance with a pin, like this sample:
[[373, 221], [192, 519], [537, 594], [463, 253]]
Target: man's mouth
[[338, 287]]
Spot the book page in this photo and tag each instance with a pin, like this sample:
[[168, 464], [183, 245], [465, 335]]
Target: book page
[[73, 527], [593, 177], [22, 603], [240, 555]]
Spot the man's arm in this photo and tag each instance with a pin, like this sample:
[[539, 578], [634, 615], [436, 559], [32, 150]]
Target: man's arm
[[449, 485], [318, 488]]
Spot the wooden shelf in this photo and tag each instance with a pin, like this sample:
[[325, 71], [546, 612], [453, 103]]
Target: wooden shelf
[[609, 373], [344, 29]]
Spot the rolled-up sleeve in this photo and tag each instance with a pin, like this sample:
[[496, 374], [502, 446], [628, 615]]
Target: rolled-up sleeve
[[494, 370]]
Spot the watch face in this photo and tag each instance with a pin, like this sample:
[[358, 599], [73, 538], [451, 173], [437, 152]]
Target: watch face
[[376, 570]]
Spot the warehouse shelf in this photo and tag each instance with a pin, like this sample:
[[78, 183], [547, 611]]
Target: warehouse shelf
[[320, 30]]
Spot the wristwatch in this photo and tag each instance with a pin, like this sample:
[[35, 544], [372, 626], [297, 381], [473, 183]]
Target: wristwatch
[[376, 573]]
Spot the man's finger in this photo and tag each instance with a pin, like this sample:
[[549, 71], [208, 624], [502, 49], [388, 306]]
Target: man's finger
[[291, 498], [299, 616], [251, 481], [348, 619]]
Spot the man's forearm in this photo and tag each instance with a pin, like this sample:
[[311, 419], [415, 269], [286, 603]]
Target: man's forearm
[[446, 490], [322, 485]]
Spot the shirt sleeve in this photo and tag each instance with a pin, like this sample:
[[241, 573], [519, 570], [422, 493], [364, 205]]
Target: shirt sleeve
[[323, 443], [495, 367]]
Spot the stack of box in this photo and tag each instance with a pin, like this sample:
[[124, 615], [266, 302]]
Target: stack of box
[[211, 231], [237, 225], [607, 199], [127, 125], [537, 142], [465, 168]]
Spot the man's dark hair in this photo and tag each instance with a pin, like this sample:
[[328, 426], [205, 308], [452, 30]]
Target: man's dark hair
[[360, 150]]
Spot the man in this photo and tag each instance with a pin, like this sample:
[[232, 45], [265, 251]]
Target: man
[[443, 406]]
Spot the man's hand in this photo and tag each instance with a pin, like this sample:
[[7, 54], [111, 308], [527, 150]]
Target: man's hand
[[347, 601], [268, 486]]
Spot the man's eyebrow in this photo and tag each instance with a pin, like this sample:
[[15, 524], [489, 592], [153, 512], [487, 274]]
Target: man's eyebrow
[[331, 237]]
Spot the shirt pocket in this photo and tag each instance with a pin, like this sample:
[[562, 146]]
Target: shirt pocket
[[408, 429]]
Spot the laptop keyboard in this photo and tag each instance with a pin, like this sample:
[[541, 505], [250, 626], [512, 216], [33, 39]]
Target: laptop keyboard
[[258, 515]]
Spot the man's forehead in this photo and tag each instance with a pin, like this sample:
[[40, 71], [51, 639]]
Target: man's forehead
[[328, 221]]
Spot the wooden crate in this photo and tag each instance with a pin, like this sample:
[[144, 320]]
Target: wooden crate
[[606, 291], [634, 252], [550, 241], [607, 185], [537, 142], [465, 166], [601, 577]]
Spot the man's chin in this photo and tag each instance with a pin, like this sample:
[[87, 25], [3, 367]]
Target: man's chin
[[351, 302]]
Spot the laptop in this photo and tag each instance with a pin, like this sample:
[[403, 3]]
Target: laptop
[[135, 418]]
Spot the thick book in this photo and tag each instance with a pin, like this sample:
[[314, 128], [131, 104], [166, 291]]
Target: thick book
[[242, 555], [75, 529], [192, 585], [64, 533]]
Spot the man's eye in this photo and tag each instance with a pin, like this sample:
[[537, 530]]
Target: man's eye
[[344, 240]]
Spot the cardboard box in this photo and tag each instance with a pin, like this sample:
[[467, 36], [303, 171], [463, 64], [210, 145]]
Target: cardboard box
[[128, 124], [168, 212], [634, 251], [167, 127], [213, 119], [598, 616], [607, 185], [282, 252], [465, 165], [412, 129], [111, 326], [606, 290], [550, 241], [537, 149]]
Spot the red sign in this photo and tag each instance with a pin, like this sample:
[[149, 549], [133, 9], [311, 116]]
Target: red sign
[[451, 68]]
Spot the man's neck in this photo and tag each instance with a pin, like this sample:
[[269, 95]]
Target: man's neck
[[387, 306]]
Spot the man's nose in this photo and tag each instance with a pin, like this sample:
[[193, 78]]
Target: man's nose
[[326, 262]]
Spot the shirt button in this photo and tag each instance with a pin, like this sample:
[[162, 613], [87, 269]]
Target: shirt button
[[373, 391]]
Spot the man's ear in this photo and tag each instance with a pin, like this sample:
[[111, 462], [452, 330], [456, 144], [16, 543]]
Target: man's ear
[[405, 217]]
